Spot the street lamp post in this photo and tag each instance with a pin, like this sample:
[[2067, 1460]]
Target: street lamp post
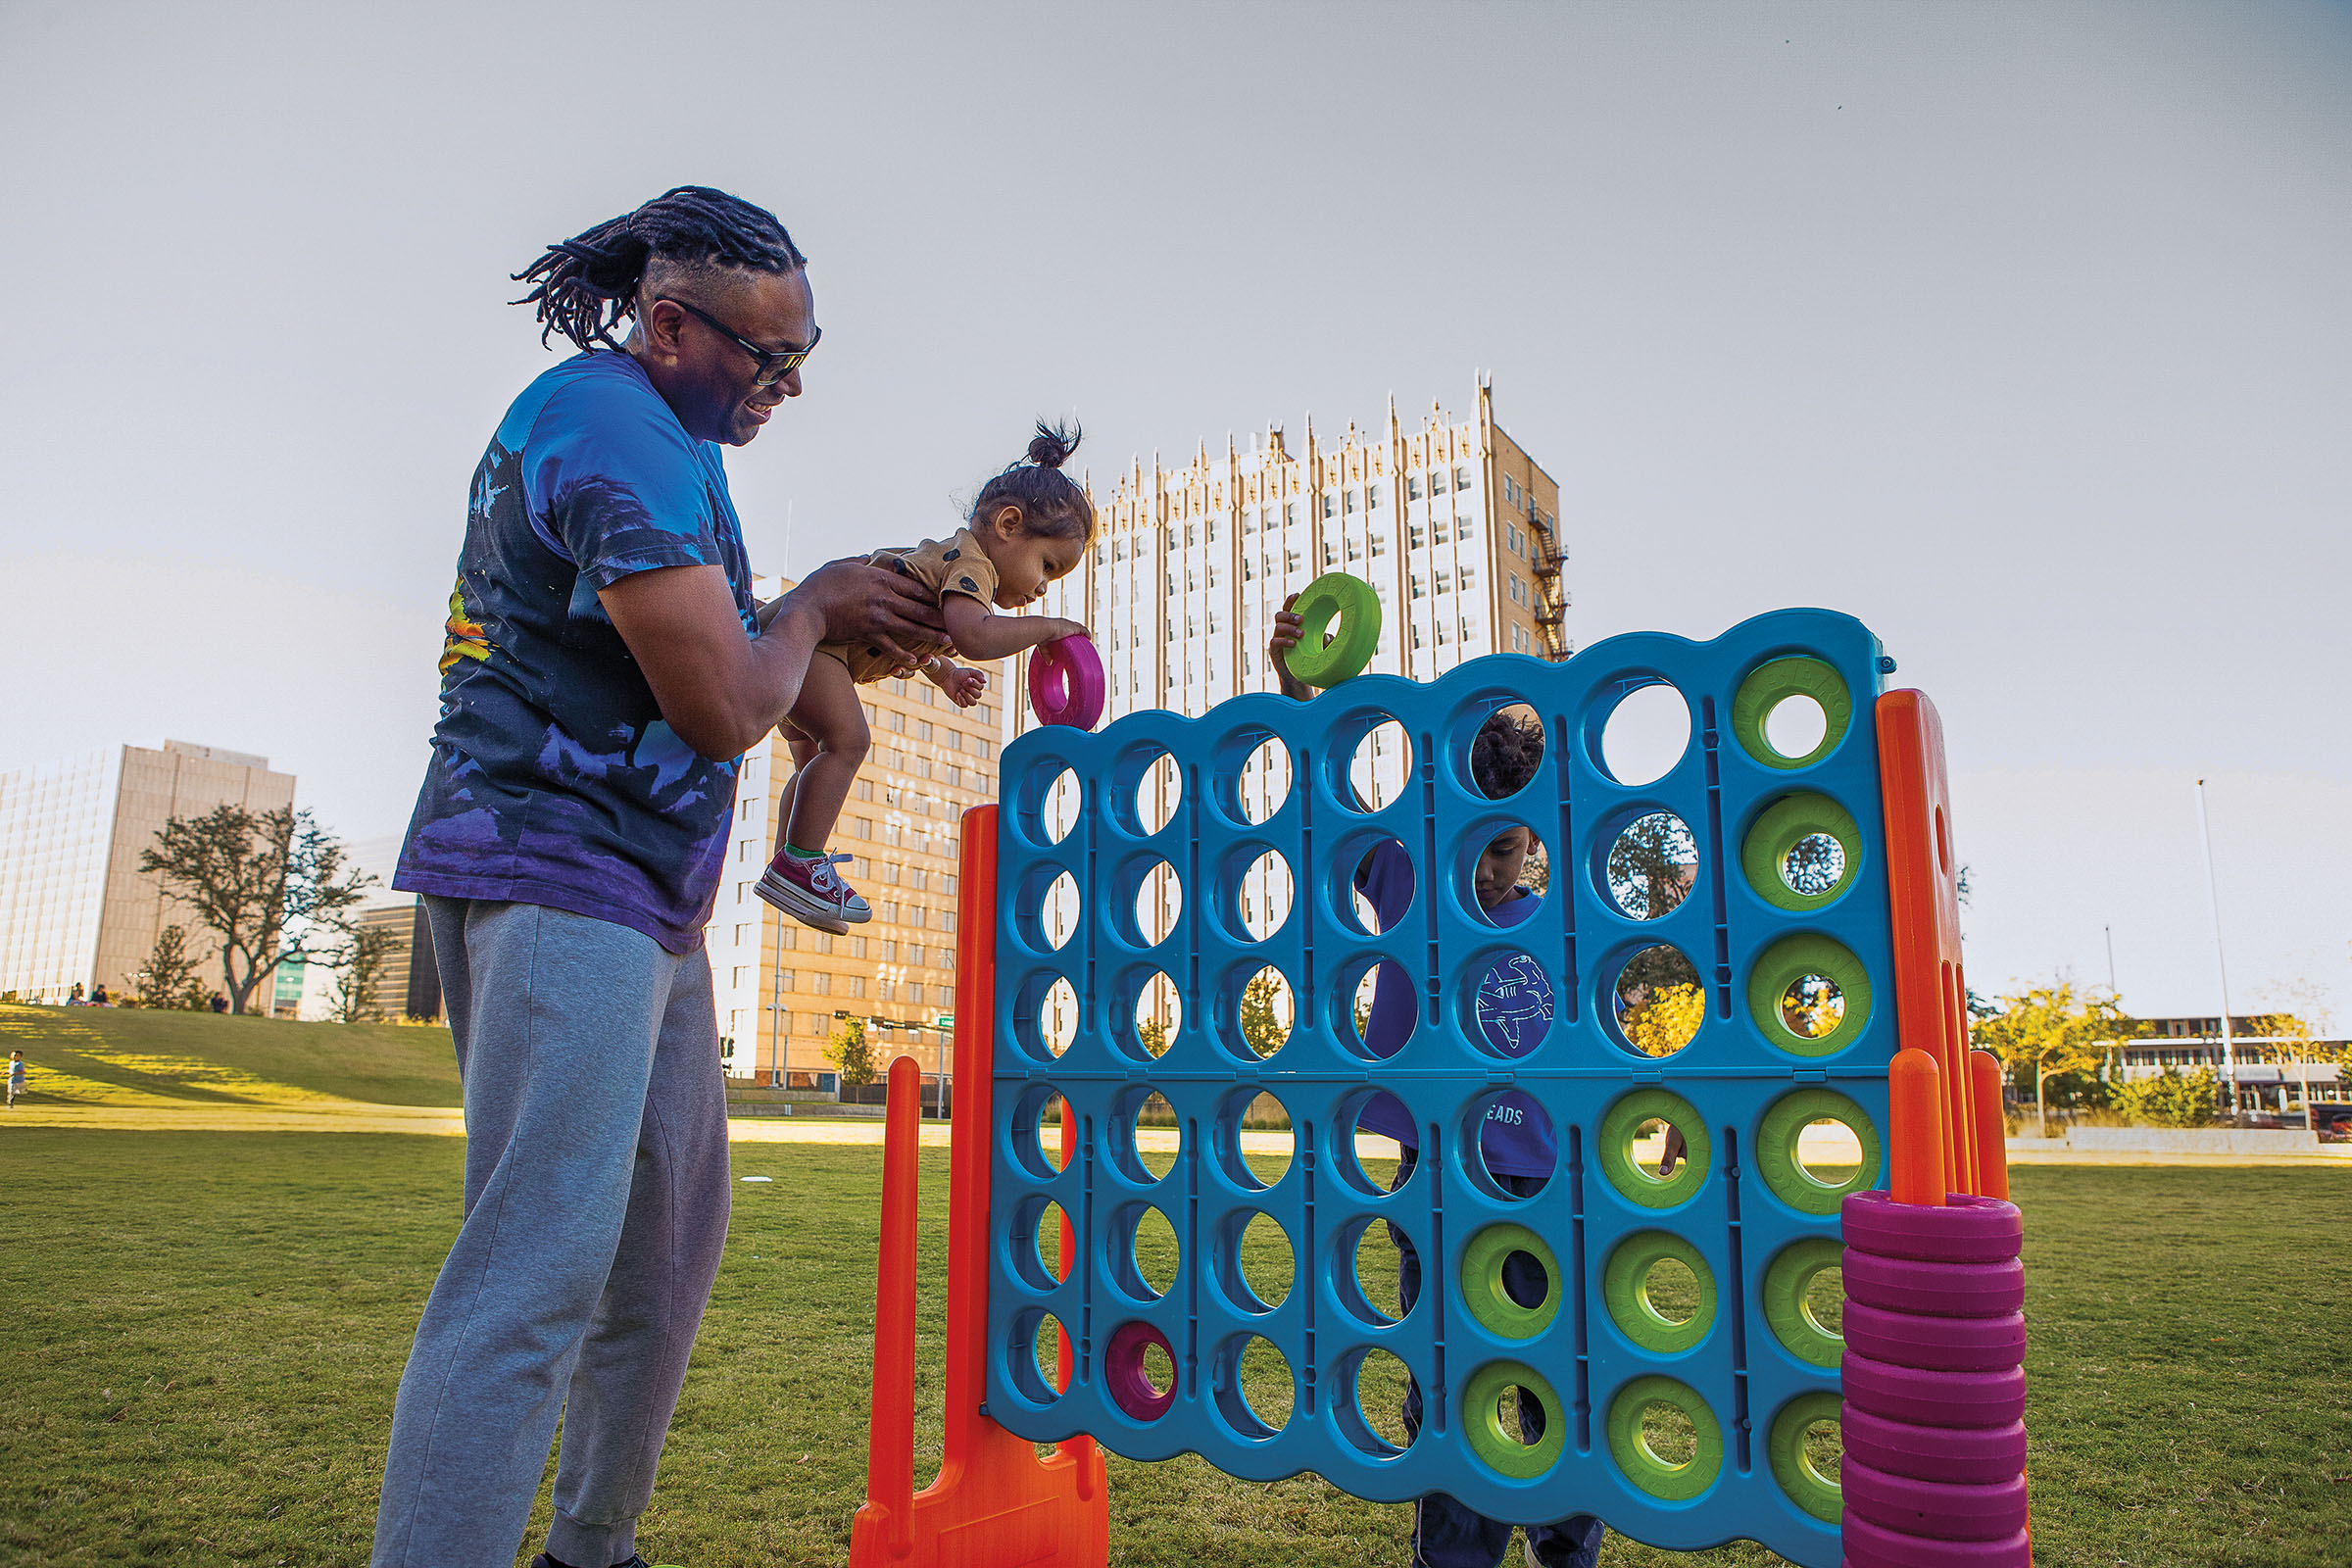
[[2221, 962]]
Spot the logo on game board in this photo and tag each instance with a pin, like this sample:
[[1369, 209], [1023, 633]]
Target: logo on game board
[[1514, 1004]]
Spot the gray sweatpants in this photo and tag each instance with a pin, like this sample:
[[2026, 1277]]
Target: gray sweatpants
[[596, 1205]]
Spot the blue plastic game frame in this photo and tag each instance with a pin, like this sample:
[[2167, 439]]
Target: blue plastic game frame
[[1735, 1074]]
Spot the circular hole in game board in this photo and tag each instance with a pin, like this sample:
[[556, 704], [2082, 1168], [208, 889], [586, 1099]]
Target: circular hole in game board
[[1366, 1131], [1795, 727], [1257, 1263], [1823, 1450], [1374, 887], [1828, 1150], [1033, 1360], [1253, 1386], [1672, 1291], [1503, 754], [1824, 1301], [1658, 1002], [1154, 1140], [1265, 781], [1058, 915], [1036, 1130], [1144, 1251], [1265, 895], [1669, 1436], [1813, 865], [1508, 1011], [1378, 765], [1057, 812], [1372, 1007], [1252, 1140], [1508, 872], [1371, 1409], [1036, 1243], [1509, 1147], [1368, 1287], [1652, 866], [1812, 1006], [1155, 786], [1646, 734], [1159, 904], [1045, 1017], [1655, 1147], [1156, 1016], [1265, 1013]]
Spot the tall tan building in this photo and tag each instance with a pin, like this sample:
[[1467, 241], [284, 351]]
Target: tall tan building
[[1454, 524], [75, 908], [784, 988]]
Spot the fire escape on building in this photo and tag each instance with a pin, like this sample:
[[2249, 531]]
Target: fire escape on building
[[1552, 598]]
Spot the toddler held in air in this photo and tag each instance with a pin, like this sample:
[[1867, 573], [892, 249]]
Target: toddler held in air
[[1030, 526]]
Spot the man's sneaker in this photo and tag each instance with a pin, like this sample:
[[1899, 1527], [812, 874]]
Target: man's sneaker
[[812, 892]]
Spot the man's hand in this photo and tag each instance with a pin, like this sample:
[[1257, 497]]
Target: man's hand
[[962, 683], [1288, 628], [869, 605]]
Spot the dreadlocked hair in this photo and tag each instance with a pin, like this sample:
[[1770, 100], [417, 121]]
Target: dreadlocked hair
[[1050, 504], [586, 284], [1505, 753]]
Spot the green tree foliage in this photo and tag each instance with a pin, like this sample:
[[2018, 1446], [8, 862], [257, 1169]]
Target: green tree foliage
[[1263, 1006], [169, 977], [359, 965], [1152, 1036], [2054, 1030], [2172, 1099], [852, 1056], [246, 875]]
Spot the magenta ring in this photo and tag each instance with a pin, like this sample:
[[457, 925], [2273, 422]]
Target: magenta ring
[[1933, 1453], [1967, 1229], [1937, 1343], [1873, 1545], [1941, 1510], [1930, 1398], [1065, 682], [1934, 1290], [1123, 1376]]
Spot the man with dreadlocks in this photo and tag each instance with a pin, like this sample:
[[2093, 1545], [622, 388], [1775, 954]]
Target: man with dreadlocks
[[606, 667]]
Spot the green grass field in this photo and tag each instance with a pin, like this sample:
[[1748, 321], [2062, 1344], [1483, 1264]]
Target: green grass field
[[98, 1055], [204, 1331]]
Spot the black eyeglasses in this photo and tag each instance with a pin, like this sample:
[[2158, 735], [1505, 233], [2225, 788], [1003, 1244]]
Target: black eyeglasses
[[774, 367]]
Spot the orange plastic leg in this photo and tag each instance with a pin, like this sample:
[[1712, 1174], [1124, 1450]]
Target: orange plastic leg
[[1916, 1110], [994, 1504], [1993, 1128]]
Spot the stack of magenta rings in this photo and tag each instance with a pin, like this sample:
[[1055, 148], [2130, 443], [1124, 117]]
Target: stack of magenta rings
[[1935, 1470]]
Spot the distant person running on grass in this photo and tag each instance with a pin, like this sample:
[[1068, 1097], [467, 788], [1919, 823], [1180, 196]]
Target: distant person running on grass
[[1029, 527], [605, 669], [16, 1077]]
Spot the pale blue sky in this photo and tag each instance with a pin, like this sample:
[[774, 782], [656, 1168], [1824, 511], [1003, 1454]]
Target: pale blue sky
[[2019, 331]]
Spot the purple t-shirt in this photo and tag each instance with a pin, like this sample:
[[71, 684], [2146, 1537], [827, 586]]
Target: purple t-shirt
[[554, 779], [1513, 1011]]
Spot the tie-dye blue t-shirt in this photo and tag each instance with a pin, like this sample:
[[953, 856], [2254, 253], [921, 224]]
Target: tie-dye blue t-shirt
[[554, 779]]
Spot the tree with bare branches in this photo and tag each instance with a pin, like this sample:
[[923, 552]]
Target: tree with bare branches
[[246, 875]]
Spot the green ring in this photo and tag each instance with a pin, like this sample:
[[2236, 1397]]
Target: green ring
[[1792, 1322], [1773, 682], [1645, 1187], [1482, 1282], [1789, 960], [1776, 1150], [1625, 1286], [1780, 829], [1481, 1421], [1818, 1495], [1357, 608], [1673, 1483]]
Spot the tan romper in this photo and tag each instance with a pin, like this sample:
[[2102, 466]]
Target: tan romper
[[956, 565]]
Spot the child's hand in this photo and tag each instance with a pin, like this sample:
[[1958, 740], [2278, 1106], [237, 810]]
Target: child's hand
[[1062, 627], [965, 684], [1288, 627]]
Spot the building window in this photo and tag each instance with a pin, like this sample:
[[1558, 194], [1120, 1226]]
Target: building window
[[1416, 536], [1371, 498], [1461, 478], [1412, 487], [1463, 527], [1380, 545], [856, 985], [1290, 513], [1347, 501], [1420, 586], [1436, 530], [1331, 552], [1437, 481]]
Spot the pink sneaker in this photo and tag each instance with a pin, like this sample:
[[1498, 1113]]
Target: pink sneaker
[[812, 892]]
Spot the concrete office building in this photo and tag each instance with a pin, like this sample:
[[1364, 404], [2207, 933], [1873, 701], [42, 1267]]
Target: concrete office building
[[784, 988], [75, 908]]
